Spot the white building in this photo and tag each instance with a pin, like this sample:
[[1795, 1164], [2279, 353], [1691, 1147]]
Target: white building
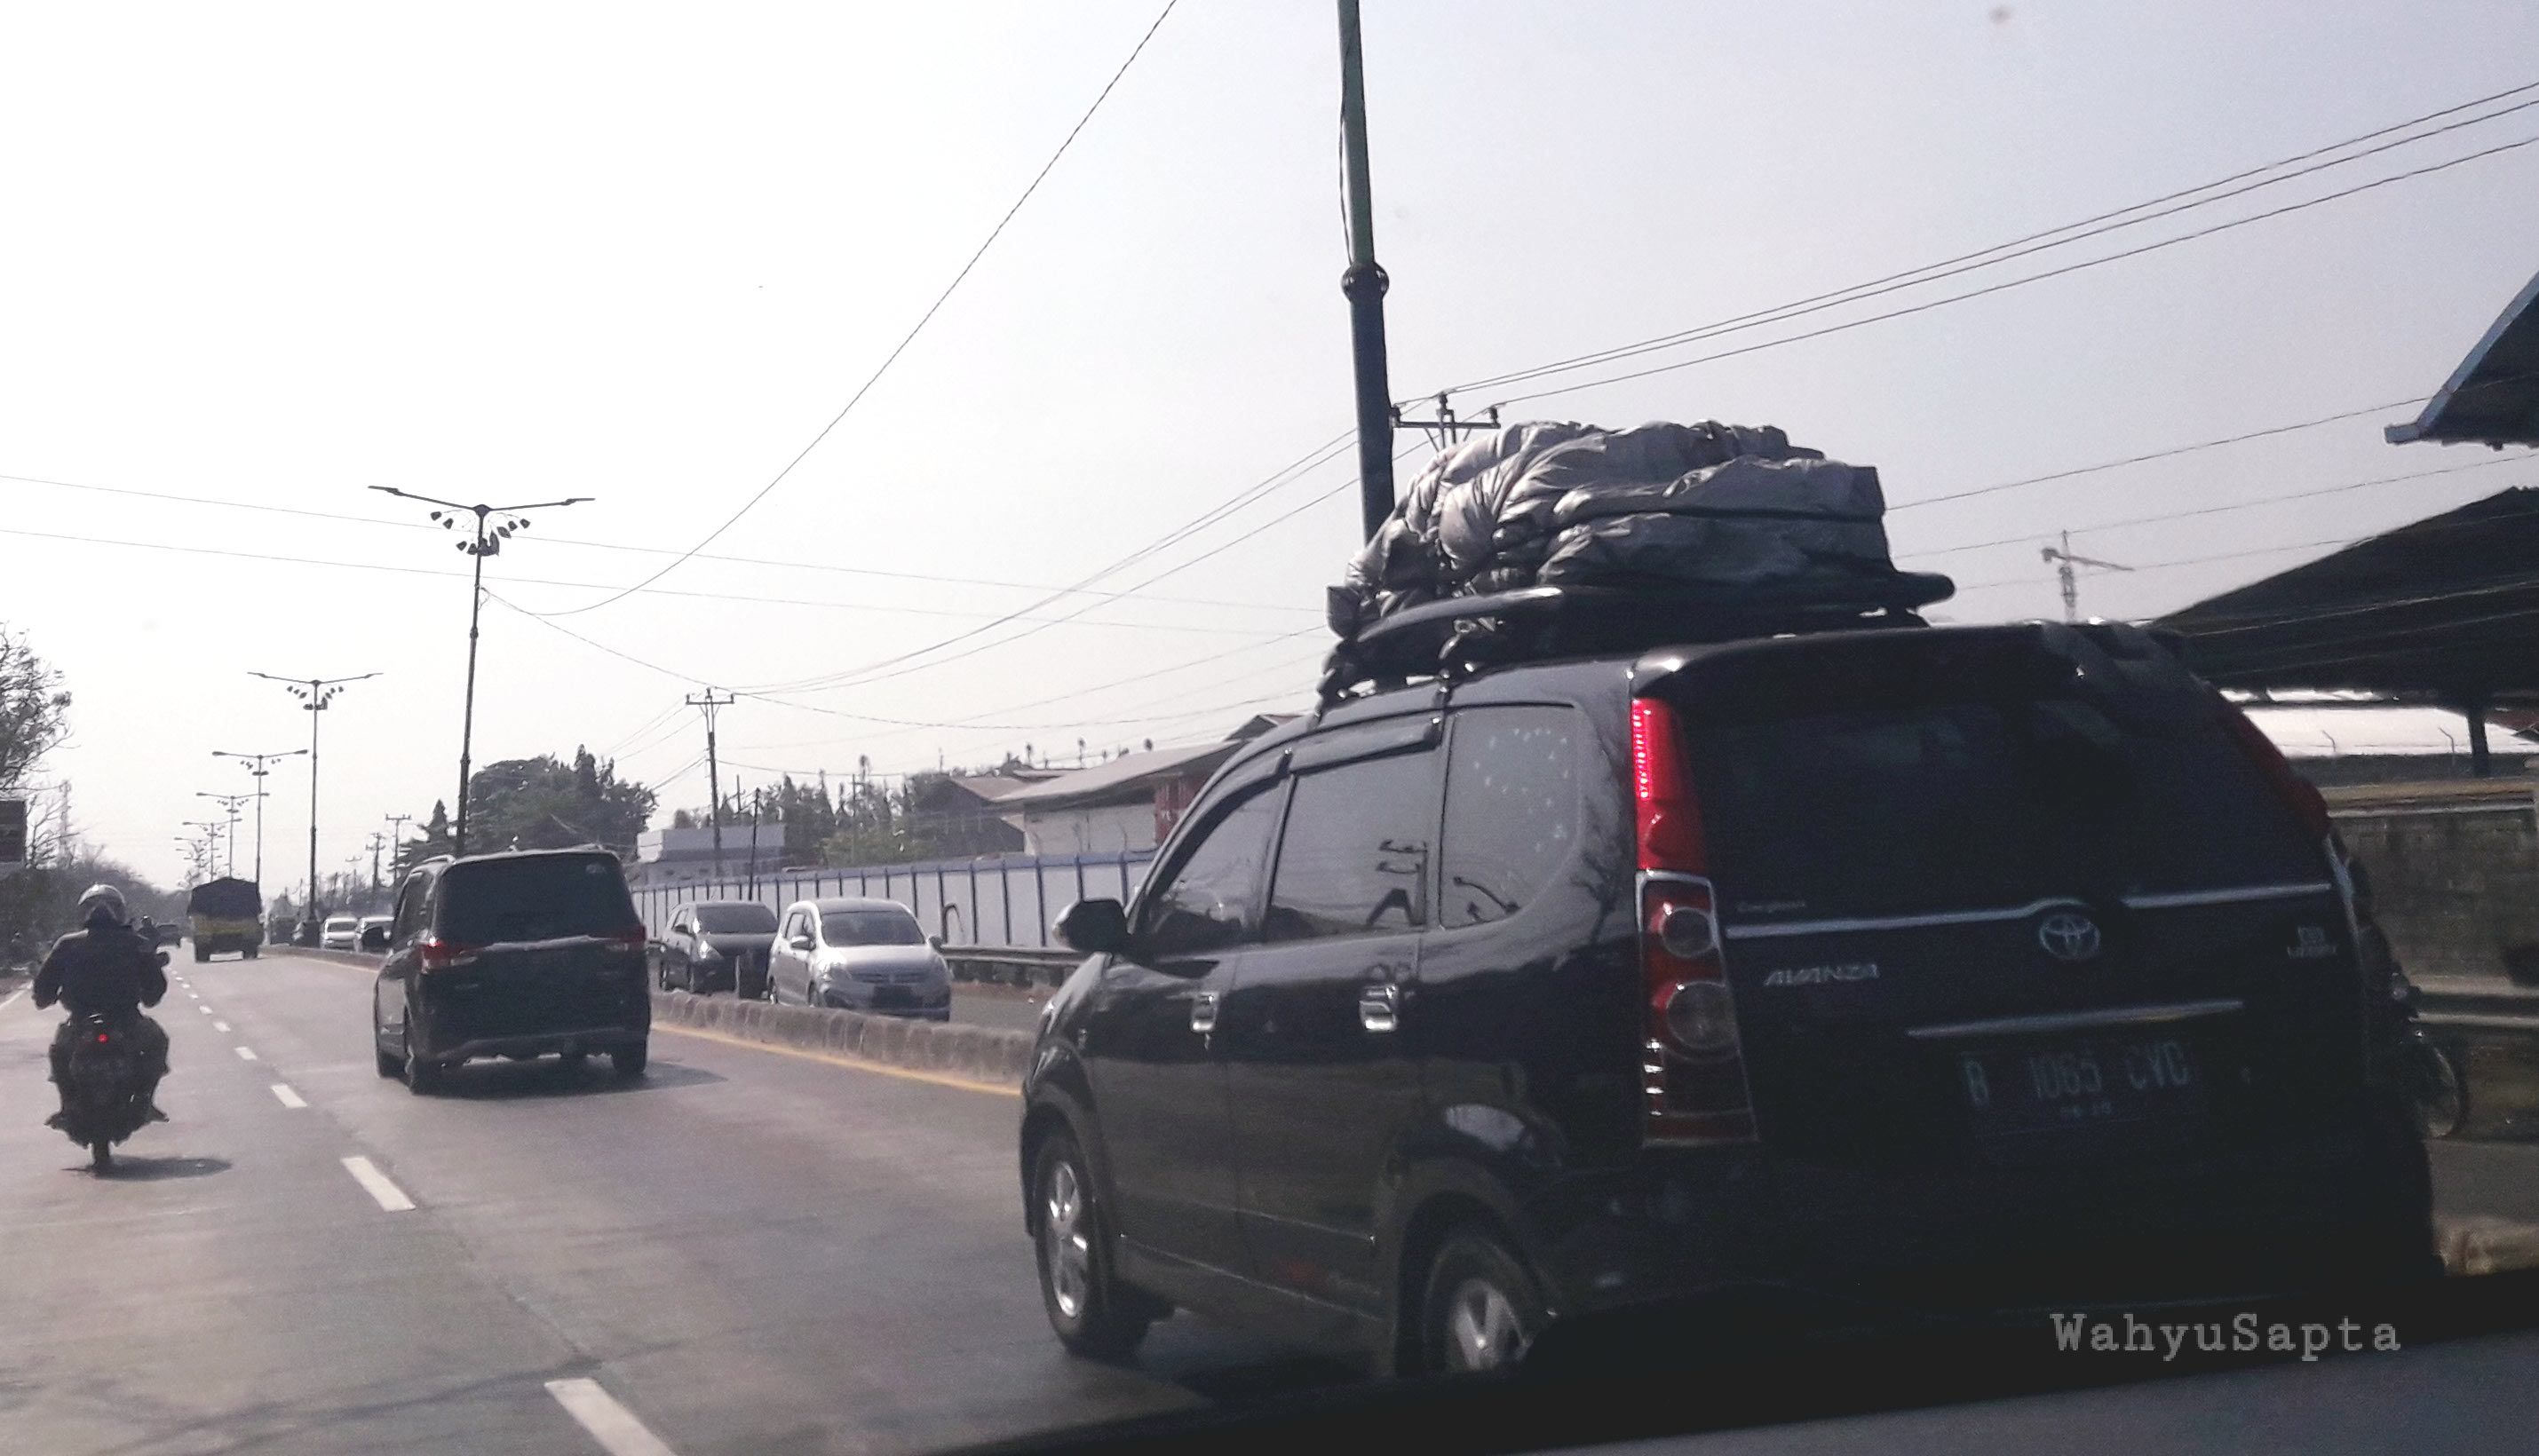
[[677, 856]]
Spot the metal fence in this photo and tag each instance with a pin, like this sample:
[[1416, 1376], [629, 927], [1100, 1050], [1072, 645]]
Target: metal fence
[[1002, 900]]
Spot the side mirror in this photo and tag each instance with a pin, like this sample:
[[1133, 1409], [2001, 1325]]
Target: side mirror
[[800, 943], [375, 938], [936, 941], [163, 961], [1096, 927]]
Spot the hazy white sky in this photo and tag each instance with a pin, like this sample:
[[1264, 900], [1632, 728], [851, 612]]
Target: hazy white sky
[[269, 256]]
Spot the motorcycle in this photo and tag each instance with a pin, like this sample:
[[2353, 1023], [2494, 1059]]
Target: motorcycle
[[106, 1103]]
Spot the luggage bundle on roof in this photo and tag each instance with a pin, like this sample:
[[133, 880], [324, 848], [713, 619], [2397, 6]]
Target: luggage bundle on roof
[[1545, 539]]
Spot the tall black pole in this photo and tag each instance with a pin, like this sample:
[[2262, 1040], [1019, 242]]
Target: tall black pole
[[714, 772], [1364, 284], [315, 706], [467, 720]]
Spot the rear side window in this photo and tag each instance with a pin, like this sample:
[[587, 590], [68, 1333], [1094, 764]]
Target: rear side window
[[1511, 810], [735, 920], [1354, 860], [1213, 900], [1930, 805], [534, 899]]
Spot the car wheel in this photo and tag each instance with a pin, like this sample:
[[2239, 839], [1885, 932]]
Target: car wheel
[[390, 1063], [628, 1061], [1480, 1311], [1093, 1314], [575, 1061], [248, 954], [201, 955], [422, 1078]]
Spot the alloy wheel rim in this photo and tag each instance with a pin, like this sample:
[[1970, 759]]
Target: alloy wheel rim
[[1482, 1332], [1068, 1253]]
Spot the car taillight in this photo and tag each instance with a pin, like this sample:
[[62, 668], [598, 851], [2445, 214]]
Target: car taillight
[[1693, 1067], [437, 954], [104, 1037]]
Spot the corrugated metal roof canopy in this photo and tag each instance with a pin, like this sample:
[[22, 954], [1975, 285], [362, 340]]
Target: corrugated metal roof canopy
[[2493, 397], [2445, 609]]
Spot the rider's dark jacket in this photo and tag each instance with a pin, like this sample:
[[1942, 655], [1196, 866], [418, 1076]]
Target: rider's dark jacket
[[106, 970]]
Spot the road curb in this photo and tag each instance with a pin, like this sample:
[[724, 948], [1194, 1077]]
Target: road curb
[[977, 1053]]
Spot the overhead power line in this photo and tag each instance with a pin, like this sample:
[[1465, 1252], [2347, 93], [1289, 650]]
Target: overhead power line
[[756, 562], [2165, 516], [2032, 242], [905, 339], [708, 596], [2022, 280]]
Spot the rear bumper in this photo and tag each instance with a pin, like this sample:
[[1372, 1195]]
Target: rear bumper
[[542, 1043], [2295, 1215]]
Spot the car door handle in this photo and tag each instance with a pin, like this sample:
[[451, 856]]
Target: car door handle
[[1203, 1012], [1379, 1006]]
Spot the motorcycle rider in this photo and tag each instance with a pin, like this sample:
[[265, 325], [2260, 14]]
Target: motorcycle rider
[[106, 969]]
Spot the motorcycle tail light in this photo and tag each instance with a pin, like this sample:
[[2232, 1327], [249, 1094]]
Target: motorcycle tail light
[[105, 1036]]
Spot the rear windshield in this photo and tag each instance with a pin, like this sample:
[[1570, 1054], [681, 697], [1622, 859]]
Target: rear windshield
[[737, 919], [871, 928], [225, 899], [534, 899], [1961, 785]]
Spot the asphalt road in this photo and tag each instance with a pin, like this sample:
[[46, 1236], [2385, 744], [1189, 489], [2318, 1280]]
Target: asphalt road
[[748, 1251]]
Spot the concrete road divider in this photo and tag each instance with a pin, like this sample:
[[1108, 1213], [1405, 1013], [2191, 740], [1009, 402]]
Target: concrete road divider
[[2488, 1246], [979, 1053]]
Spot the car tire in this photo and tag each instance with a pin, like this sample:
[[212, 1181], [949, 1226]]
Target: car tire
[[628, 1061], [1091, 1313], [1478, 1308], [2442, 1105], [248, 954], [201, 955], [574, 1060], [391, 1066], [422, 1078]]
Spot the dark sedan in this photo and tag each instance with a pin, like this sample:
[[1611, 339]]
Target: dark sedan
[[716, 946]]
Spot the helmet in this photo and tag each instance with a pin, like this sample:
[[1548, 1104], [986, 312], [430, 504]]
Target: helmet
[[103, 902]]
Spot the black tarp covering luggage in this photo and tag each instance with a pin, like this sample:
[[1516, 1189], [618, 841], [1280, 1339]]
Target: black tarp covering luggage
[[1686, 518]]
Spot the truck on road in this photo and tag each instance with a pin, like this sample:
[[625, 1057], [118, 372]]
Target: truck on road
[[225, 914]]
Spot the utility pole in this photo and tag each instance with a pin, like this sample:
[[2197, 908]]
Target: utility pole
[[314, 694], [1441, 431], [379, 841], [396, 834], [710, 704], [228, 803], [1363, 284], [487, 541], [2064, 562], [255, 766]]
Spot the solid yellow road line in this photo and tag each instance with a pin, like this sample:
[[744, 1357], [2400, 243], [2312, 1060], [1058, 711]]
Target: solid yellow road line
[[856, 1064]]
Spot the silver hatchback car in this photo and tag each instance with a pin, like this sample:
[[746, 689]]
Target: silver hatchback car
[[862, 954]]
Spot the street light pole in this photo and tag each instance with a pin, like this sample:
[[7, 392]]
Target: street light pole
[[314, 694], [486, 540], [255, 766]]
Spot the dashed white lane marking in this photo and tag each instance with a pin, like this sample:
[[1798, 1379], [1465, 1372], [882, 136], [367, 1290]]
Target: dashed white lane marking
[[205, 1009], [244, 1055], [375, 1183], [283, 1093], [609, 1423], [220, 1026]]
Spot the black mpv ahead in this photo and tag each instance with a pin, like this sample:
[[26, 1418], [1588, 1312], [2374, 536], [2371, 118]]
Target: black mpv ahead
[[511, 954], [2003, 965]]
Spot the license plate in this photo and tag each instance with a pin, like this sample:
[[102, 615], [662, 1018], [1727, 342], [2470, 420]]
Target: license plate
[[2039, 1087], [893, 996]]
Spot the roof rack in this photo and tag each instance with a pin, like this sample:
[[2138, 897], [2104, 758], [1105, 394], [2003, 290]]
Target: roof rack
[[1459, 636]]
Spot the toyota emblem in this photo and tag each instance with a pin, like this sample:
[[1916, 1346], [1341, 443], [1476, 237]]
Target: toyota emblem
[[2067, 935]]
